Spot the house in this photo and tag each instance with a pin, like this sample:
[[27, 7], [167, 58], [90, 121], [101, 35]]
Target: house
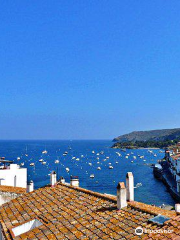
[[13, 181], [67, 211]]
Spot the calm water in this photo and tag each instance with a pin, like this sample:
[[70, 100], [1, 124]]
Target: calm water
[[152, 191]]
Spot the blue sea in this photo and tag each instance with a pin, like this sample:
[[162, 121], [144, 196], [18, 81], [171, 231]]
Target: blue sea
[[83, 159]]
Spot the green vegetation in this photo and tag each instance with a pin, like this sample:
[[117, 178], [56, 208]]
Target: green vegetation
[[146, 144]]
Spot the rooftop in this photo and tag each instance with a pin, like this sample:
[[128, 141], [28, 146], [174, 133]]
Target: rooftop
[[68, 212], [18, 190]]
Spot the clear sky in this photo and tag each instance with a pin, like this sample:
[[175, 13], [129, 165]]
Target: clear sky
[[88, 69]]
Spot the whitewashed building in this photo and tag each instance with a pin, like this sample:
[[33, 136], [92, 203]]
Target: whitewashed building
[[14, 176]]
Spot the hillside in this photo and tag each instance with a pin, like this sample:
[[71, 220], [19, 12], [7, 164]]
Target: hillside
[[146, 139], [153, 135]]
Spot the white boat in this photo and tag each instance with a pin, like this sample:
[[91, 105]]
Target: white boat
[[134, 157], [31, 164], [92, 176], [107, 157], [132, 161], [43, 163], [138, 185], [116, 162], [41, 160], [90, 164], [98, 168], [110, 167], [44, 152], [67, 169], [22, 164], [126, 156], [56, 161], [18, 158], [93, 151]]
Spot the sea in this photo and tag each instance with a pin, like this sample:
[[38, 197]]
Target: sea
[[82, 159]]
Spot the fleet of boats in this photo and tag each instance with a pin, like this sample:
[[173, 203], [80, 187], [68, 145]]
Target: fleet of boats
[[95, 160]]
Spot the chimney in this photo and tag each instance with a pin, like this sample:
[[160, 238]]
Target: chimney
[[177, 208], [130, 186], [121, 195], [74, 181], [30, 186], [53, 178], [62, 180]]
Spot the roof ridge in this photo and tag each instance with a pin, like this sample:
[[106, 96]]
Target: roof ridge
[[112, 198], [11, 189], [146, 208], [152, 209]]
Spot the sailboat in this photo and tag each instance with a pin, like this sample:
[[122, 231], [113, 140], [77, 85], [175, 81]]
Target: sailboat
[[44, 152]]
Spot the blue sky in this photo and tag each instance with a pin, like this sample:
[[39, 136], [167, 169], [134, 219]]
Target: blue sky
[[88, 69]]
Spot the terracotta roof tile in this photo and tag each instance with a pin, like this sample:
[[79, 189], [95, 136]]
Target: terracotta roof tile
[[74, 213], [10, 189]]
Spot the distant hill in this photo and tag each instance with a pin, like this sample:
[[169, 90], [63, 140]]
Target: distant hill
[[155, 138], [153, 135]]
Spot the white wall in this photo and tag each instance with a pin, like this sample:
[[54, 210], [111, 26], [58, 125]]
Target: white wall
[[15, 176], [26, 227]]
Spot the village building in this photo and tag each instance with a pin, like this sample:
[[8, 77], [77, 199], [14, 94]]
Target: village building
[[13, 181], [173, 164]]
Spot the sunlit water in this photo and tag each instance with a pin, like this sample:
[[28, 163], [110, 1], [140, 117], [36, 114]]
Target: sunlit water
[[152, 191]]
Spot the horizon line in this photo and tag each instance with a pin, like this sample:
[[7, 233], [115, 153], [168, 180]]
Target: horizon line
[[55, 139]]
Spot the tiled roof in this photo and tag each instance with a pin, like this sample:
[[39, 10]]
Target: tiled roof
[[18, 190], [75, 213]]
